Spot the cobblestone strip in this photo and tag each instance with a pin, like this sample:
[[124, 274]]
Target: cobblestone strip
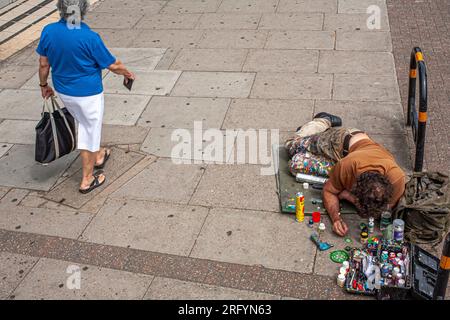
[[255, 278]]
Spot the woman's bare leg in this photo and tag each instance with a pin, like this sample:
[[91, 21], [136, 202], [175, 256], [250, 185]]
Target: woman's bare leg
[[88, 161], [101, 156]]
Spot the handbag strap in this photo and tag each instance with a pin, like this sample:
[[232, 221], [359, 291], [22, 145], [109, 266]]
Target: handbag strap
[[56, 106], [55, 133]]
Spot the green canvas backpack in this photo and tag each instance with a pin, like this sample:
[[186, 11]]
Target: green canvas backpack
[[425, 207]]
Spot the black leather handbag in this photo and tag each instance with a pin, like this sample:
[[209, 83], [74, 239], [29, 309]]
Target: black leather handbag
[[55, 133]]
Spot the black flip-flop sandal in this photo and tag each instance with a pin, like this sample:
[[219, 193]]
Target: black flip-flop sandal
[[105, 159], [94, 184]]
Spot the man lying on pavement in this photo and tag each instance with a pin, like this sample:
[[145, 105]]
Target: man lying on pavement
[[360, 170]]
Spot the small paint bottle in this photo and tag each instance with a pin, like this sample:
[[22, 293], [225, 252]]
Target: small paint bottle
[[321, 227], [364, 237], [346, 265], [371, 225], [340, 280]]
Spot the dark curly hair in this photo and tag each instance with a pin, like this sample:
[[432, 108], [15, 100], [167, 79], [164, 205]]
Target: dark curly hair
[[373, 191]]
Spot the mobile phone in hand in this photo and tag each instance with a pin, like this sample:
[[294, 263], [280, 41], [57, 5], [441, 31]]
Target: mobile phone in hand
[[128, 83]]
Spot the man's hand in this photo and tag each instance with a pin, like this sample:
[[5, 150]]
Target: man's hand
[[47, 92], [340, 227], [331, 203]]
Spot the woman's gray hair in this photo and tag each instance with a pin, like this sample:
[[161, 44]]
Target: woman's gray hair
[[68, 8]]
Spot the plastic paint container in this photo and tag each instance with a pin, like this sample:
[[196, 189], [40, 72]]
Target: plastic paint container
[[371, 225], [316, 215], [364, 237], [399, 229], [385, 220], [346, 265], [340, 280]]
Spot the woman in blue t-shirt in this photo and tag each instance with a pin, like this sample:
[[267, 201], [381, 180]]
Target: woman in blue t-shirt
[[77, 56]]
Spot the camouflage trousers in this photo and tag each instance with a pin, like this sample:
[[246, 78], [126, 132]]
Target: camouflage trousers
[[329, 143], [317, 153]]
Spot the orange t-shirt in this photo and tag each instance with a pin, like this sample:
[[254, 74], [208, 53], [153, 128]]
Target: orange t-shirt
[[367, 155]]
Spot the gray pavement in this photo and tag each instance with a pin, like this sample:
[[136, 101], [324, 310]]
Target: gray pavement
[[201, 229]]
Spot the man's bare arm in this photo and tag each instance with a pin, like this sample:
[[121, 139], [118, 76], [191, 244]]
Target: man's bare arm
[[347, 195], [331, 200], [331, 203]]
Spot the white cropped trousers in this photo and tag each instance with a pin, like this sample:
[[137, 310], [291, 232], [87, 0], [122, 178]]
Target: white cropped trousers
[[88, 113]]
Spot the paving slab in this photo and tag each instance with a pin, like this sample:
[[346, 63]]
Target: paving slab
[[139, 6], [291, 86], [19, 170], [18, 131], [94, 205], [21, 104], [291, 21], [292, 39], [163, 180], [168, 58], [3, 191], [166, 38], [366, 88], [214, 84], [58, 222], [181, 112], [67, 192], [150, 226], [283, 115], [360, 6], [172, 289], [364, 40], [4, 148], [372, 117], [157, 82], [180, 144], [117, 37], [33, 83], [236, 39], [210, 60], [224, 21], [352, 22], [13, 268], [256, 238], [238, 6], [13, 76], [145, 59], [169, 21], [119, 20], [13, 198], [191, 6], [50, 278], [303, 61], [356, 62], [124, 109], [25, 57], [398, 146], [307, 6], [237, 186], [116, 135]]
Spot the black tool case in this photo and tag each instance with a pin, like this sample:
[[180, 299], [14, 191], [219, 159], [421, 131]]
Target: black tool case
[[424, 269]]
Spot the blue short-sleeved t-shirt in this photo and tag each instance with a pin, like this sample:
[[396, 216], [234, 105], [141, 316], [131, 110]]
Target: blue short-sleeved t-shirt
[[76, 56]]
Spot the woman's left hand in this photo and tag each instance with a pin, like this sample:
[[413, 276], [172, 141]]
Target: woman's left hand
[[47, 92]]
